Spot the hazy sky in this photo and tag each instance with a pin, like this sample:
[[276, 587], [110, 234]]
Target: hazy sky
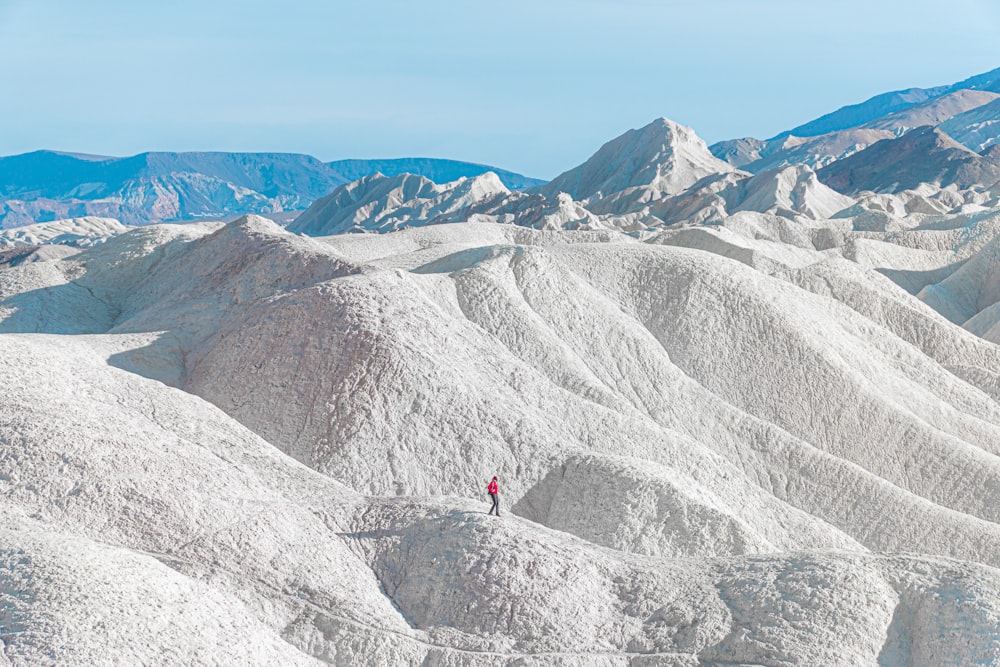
[[535, 87]]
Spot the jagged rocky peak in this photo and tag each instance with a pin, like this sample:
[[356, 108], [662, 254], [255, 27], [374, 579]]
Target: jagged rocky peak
[[477, 188], [380, 203], [562, 212], [793, 189], [664, 158], [407, 185]]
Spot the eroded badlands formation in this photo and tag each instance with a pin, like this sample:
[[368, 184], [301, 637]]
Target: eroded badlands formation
[[738, 419]]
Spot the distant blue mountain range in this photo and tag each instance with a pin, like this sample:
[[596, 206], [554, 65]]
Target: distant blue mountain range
[[886, 103], [157, 187]]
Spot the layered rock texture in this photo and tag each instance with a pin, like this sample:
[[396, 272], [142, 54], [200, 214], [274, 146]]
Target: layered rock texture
[[738, 418], [74, 232], [741, 443]]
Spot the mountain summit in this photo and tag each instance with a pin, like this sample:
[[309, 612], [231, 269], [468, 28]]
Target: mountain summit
[[662, 158]]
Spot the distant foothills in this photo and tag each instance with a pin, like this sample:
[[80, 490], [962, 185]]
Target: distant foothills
[[947, 136], [163, 187]]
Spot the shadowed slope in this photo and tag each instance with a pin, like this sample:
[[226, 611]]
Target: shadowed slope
[[660, 403]]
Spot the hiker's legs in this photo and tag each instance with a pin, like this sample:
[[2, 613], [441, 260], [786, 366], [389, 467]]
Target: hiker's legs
[[496, 504]]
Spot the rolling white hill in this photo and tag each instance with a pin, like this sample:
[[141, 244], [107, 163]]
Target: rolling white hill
[[708, 460], [74, 232]]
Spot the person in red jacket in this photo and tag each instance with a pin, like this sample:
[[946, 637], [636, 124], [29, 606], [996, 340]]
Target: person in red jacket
[[494, 492]]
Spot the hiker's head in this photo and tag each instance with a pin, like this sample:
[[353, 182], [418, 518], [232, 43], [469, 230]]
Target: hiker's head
[[494, 478]]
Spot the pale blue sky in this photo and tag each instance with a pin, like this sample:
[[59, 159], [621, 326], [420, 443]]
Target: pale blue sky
[[534, 86]]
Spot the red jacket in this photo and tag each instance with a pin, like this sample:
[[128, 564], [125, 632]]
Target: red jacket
[[492, 488]]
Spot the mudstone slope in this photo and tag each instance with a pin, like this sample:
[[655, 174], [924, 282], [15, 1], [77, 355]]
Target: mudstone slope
[[770, 457], [737, 418]]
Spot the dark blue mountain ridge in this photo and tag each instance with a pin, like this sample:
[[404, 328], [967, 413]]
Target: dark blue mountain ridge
[[50, 174]]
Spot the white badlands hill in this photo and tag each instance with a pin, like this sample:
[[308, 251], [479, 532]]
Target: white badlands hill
[[77, 232], [742, 443], [663, 175], [380, 203], [965, 110], [662, 158]]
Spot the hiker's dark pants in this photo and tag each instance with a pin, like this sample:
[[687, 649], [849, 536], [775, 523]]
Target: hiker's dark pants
[[496, 504]]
